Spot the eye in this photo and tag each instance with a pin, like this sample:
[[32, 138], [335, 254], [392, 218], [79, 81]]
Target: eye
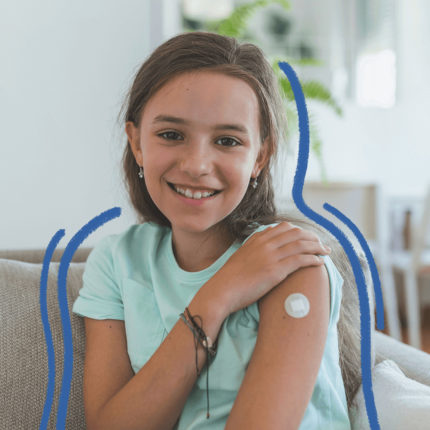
[[233, 142], [169, 135]]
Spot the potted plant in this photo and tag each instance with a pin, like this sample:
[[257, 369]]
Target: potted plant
[[237, 25]]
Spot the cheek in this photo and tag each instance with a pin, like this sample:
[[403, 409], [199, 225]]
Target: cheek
[[243, 171], [154, 161], [238, 179], [152, 174]]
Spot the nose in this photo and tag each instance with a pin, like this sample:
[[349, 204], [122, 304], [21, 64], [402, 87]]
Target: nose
[[197, 159]]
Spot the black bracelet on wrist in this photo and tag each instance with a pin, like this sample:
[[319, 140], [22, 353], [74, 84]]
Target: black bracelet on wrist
[[205, 341], [199, 333]]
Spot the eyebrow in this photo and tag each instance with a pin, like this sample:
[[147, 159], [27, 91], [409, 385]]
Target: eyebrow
[[177, 120]]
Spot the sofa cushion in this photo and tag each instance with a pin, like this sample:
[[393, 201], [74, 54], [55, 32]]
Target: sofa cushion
[[401, 403], [414, 363], [23, 350]]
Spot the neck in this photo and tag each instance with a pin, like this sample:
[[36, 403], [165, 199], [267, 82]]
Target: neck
[[196, 252]]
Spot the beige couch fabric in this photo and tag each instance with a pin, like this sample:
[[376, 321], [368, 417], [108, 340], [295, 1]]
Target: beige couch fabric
[[23, 353], [23, 350]]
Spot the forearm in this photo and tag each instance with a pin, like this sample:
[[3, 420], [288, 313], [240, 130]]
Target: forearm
[[155, 397]]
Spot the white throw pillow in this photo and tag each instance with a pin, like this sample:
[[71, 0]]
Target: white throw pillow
[[401, 403]]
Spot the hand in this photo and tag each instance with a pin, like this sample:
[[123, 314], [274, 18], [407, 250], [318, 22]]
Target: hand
[[264, 261]]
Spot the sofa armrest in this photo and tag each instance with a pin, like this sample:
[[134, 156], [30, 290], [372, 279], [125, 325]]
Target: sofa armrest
[[414, 363]]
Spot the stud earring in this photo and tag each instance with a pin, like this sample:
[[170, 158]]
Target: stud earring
[[140, 172], [254, 183]]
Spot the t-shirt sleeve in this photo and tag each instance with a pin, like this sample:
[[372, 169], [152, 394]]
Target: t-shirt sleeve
[[100, 296], [252, 310], [336, 283]]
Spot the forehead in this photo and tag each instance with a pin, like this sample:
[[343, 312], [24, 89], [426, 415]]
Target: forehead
[[204, 97]]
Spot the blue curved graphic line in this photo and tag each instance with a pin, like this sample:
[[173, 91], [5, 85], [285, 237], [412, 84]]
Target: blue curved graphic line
[[71, 248], [47, 328], [370, 260], [299, 178]]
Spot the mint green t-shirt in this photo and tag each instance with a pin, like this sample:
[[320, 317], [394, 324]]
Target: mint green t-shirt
[[134, 276]]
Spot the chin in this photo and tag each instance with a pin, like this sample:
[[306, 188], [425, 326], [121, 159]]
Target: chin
[[193, 227], [198, 225]]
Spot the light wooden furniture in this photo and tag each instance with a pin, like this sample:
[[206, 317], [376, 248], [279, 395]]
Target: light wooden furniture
[[365, 205], [414, 265]]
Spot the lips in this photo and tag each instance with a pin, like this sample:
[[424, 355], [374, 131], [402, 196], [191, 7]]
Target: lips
[[211, 190]]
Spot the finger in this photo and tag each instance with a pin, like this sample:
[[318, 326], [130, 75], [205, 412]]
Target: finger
[[265, 232], [273, 231], [302, 247], [286, 232], [298, 261], [291, 235]]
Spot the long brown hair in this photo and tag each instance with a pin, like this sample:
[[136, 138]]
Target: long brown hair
[[201, 50]]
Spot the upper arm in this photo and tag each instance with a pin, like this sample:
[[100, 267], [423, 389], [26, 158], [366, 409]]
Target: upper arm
[[281, 375], [107, 366]]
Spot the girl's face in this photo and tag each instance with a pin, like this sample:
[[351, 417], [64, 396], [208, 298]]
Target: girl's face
[[199, 131]]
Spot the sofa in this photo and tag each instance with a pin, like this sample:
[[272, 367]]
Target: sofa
[[400, 376]]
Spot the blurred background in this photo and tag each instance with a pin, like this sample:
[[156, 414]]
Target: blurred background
[[364, 66]]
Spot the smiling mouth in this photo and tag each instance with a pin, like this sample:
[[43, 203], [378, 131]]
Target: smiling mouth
[[171, 186]]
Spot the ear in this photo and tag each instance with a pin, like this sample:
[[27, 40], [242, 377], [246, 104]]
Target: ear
[[134, 141], [262, 159]]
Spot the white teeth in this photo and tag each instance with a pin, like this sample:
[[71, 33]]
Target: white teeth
[[188, 193]]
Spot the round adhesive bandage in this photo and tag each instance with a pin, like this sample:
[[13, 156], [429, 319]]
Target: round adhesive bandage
[[297, 305]]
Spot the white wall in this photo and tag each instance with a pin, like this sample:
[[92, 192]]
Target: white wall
[[65, 69], [391, 146]]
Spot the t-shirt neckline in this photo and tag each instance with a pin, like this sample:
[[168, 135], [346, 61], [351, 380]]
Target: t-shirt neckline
[[201, 274]]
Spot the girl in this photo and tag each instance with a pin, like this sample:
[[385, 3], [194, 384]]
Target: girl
[[199, 286]]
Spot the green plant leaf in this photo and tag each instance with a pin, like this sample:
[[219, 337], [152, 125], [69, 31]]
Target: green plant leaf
[[236, 23], [236, 26], [292, 121], [315, 90], [286, 89], [307, 62]]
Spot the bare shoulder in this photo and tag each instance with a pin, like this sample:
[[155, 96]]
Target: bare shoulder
[[306, 333], [313, 282]]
